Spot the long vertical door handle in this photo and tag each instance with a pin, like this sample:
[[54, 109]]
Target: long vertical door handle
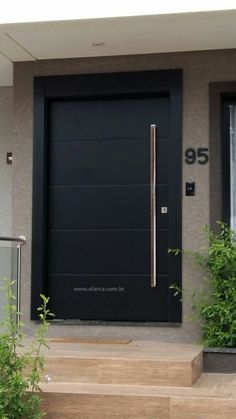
[[153, 183]]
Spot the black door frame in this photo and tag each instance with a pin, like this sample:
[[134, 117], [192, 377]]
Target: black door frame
[[146, 83], [225, 155]]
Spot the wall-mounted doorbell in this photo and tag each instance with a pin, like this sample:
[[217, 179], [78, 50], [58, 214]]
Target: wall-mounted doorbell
[[189, 188]]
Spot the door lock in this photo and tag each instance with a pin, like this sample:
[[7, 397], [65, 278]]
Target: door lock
[[164, 210]]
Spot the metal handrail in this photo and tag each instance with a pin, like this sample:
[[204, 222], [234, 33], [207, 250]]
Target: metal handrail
[[20, 241]]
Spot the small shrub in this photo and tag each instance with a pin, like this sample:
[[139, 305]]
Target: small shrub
[[215, 306], [20, 371]]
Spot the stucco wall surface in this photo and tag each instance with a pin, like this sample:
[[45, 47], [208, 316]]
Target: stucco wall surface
[[6, 131], [199, 69]]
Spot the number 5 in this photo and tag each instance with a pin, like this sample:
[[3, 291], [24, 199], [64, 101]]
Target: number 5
[[202, 154]]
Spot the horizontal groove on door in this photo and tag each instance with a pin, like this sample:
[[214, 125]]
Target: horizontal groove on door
[[102, 274], [58, 230], [90, 185], [75, 118], [108, 139], [105, 251], [96, 163], [100, 229], [102, 209]]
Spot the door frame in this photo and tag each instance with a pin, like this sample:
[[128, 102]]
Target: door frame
[[95, 86], [225, 156], [219, 93]]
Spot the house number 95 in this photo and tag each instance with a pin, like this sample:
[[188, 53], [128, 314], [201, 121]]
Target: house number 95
[[196, 155]]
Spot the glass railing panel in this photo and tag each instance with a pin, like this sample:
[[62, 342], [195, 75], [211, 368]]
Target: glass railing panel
[[8, 269]]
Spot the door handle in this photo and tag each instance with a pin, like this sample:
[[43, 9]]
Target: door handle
[[153, 183]]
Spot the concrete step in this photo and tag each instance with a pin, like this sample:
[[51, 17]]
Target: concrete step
[[134, 363], [212, 397]]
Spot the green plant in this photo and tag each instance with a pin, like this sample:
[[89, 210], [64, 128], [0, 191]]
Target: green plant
[[20, 370], [215, 305]]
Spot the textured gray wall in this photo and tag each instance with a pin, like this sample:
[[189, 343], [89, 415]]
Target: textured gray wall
[[199, 69], [6, 130]]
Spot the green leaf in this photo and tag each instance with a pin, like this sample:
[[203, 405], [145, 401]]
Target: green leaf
[[215, 305]]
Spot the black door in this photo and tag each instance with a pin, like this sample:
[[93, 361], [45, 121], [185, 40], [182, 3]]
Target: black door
[[97, 246]]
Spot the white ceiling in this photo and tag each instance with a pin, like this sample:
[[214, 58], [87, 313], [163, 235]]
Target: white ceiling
[[121, 36]]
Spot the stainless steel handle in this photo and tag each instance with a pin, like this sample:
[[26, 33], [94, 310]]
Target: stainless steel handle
[[153, 182]]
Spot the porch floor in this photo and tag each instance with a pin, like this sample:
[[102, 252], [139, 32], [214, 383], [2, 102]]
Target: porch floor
[[122, 348]]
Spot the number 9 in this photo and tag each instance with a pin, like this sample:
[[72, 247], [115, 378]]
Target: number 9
[[190, 155]]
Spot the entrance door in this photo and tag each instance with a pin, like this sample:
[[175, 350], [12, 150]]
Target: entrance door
[[112, 206]]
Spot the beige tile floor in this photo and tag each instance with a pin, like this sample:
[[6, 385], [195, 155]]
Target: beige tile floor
[[132, 350]]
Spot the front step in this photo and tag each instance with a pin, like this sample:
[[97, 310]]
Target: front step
[[141, 380], [213, 397], [134, 363]]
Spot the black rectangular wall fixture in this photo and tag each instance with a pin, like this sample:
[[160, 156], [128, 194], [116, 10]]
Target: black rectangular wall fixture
[[189, 188]]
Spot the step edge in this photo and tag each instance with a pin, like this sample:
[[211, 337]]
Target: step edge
[[134, 390]]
